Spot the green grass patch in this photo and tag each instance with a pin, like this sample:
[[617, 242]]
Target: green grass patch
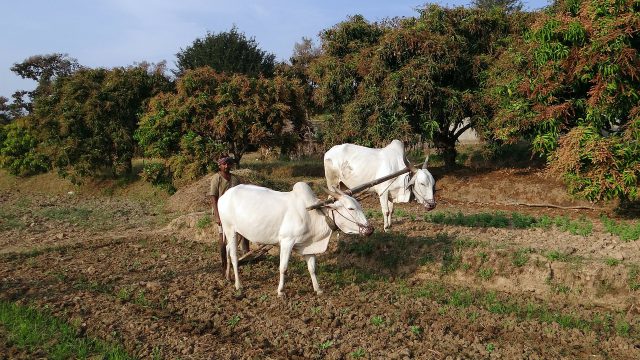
[[204, 222], [10, 220], [626, 231], [36, 330], [520, 257], [499, 219], [494, 303], [71, 214]]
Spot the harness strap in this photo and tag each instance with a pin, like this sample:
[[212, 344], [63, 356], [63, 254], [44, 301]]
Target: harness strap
[[331, 221]]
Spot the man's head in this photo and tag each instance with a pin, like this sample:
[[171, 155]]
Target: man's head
[[225, 162]]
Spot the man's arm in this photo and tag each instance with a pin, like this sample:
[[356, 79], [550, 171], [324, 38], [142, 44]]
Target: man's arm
[[214, 206]]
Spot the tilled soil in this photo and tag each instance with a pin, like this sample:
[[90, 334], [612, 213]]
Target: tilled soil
[[423, 291]]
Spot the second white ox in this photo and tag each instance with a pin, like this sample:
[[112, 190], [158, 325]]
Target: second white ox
[[265, 216], [354, 165]]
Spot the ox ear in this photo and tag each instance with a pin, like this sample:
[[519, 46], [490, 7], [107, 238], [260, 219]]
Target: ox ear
[[412, 180], [424, 165]]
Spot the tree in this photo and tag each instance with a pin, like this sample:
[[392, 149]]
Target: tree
[[304, 53], [216, 112], [226, 52], [43, 69], [86, 124], [415, 76], [574, 90], [506, 5], [5, 111], [18, 150]]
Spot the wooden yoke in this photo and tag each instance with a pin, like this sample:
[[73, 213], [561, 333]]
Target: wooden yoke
[[363, 187]]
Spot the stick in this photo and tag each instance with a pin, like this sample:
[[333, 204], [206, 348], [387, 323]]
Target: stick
[[553, 206], [255, 253]]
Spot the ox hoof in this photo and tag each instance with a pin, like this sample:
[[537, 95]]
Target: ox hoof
[[281, 295], [319, 292], [238, 294]]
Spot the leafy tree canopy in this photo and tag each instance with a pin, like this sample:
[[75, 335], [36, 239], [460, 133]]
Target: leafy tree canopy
[[86, 124], [229, 51], [572, 85], [413, 76], [506, 5], [216, 112]]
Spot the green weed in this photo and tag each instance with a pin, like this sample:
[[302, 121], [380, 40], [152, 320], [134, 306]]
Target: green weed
[[626, 232], [415, 330], [490, 347], [33, 329], [358, 353], [520, 257], [485, 273], [233, 321], [204, 222], [611, 261], [632, 277], [377, 320], [325, 345]]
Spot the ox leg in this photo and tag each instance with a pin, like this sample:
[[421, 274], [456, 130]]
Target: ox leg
[[285, 253], [311, 265], [232, 250], [390, 207], [386, 215]]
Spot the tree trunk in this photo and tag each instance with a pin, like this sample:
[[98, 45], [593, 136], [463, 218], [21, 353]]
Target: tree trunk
[[446, 144]]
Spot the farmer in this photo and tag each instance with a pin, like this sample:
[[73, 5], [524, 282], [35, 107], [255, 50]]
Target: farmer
[[221, 182]]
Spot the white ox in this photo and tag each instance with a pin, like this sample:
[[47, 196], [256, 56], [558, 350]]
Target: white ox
[[265, 216], [354, 165]]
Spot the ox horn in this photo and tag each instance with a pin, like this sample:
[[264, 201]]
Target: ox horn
[[424, 165], [336, 193], [408, 164], [333, 197]]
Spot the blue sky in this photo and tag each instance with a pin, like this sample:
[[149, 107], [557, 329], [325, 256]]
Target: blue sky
[[109, 33]]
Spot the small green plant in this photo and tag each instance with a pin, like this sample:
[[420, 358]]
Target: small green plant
[[626, 232], [415, 329], [485, 273], [141, 299], [204, 222], [623, 328], [490, 347], [400, 213], [325, 345], [315, 310], [124, 294], [377, 320], [233, 321], [358, 353], [612, 261], [555, 255], [632, 277], [483, 256], [520, 257], [156, 353], [582, 226]]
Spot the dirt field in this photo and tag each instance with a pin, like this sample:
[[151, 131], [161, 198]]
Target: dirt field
[[130, 265]]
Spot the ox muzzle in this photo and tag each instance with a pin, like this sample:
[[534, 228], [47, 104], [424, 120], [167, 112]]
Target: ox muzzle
[[430, 204], [365, 230]]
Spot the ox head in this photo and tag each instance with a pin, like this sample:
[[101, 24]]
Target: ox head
[[422, 184], [348, 214]]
